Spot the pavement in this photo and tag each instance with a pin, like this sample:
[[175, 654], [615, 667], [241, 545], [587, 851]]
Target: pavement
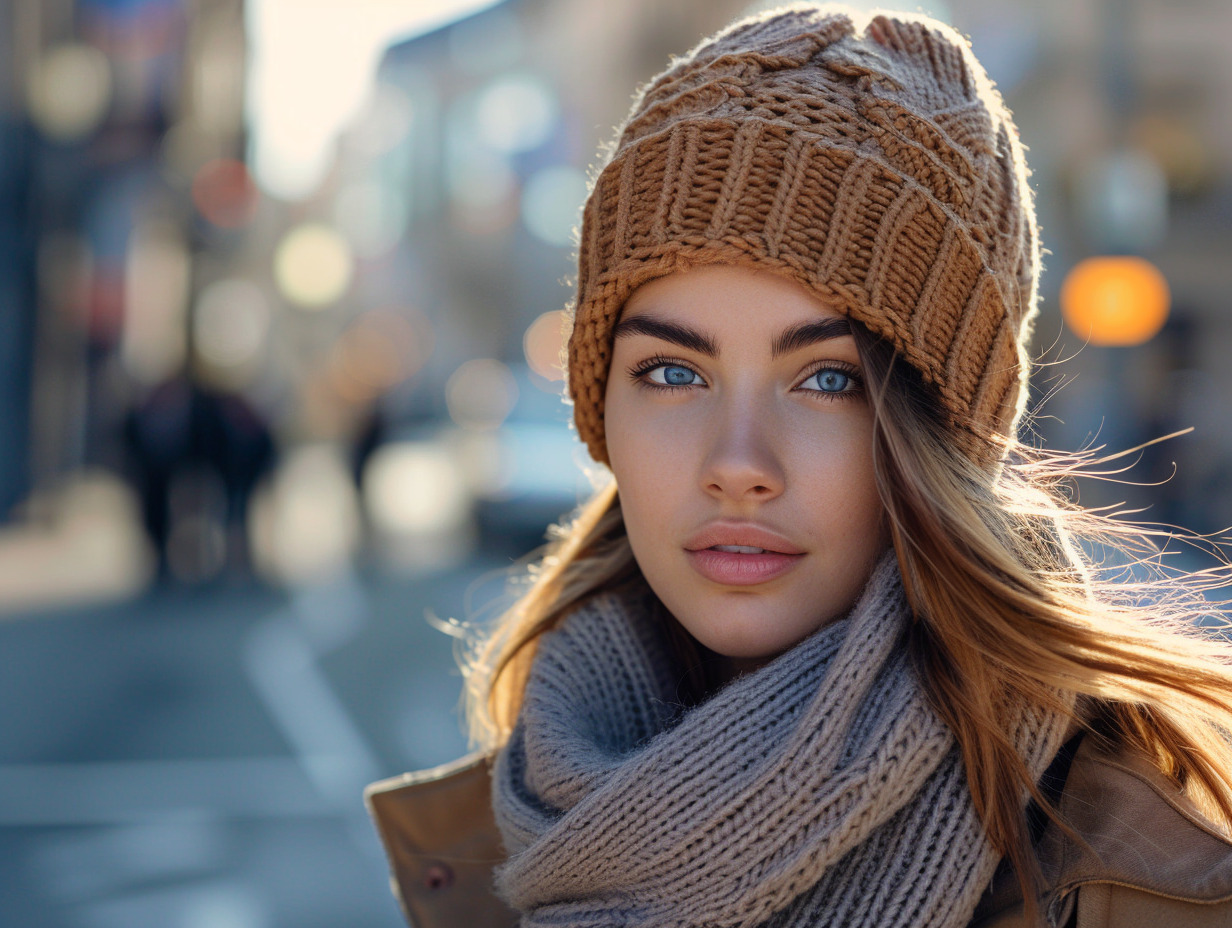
[[196, 758]]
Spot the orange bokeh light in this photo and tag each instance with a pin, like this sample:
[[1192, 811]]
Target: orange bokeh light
[[1115, 301], [224, 193]]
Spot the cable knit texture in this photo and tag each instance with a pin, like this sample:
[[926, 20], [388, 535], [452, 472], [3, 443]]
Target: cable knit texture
[[821, 789], [878, 168]]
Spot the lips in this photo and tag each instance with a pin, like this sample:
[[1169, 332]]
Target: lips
[[734, 554], [741, 535]]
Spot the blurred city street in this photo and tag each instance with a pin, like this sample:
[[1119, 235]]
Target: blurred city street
[[156, 769], [282, 310]]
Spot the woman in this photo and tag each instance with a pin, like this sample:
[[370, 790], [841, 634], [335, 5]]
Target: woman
[[828, 650]]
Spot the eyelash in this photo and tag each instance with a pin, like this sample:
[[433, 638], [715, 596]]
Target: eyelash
[[857, 382], [639, 371]]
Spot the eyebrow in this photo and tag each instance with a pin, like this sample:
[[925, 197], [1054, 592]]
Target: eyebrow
[[792, 339], [672, 332], [809, 333]]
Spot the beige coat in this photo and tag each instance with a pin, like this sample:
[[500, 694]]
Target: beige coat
[[1150, 861]]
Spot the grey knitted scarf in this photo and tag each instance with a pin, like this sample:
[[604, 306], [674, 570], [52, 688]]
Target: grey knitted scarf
[[820, 790]]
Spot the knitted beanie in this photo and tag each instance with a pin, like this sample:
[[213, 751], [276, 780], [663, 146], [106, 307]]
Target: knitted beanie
[[879, 168]]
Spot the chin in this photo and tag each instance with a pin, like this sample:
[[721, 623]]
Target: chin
[[744, 637]]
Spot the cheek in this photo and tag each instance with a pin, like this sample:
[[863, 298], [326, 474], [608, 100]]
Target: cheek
[[834, 482], [646, 460], [654, 460]]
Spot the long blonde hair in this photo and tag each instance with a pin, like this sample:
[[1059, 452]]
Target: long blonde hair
[[1012, 607], [1015, 605]]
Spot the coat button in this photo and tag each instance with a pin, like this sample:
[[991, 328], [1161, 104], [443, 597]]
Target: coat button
[[438, 876]]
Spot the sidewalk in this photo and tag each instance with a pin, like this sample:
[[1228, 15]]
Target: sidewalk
[[197, 760]]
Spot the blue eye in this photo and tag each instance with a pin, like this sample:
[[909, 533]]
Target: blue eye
[[829, 380], [672, 375]]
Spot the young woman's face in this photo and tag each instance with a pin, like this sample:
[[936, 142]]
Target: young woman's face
[[741, 439]]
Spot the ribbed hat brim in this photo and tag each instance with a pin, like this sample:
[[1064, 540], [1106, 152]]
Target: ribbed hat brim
[[835, 218]]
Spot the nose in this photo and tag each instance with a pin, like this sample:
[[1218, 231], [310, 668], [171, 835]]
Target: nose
[[743, 462]]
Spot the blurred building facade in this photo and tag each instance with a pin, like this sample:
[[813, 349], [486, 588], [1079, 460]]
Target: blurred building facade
[[282, 385], [1126, 107]]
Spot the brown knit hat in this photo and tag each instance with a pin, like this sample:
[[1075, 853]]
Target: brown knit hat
[[878, 168]]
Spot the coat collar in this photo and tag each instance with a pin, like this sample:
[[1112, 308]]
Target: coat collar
[[1137, 828], [1134, 828]]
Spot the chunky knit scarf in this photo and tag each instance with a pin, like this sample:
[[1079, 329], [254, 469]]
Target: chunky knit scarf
[[820, 790]]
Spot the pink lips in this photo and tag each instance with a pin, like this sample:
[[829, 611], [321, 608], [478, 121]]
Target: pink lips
[[735, 568]]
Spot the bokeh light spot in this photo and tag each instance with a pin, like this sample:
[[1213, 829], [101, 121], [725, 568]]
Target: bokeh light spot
[[552, 203], [543, 343], [1115, 301], [231, 323], [516, 113], [481, 393], [224, 193], [69, 92], [313, 265], [414, 488]]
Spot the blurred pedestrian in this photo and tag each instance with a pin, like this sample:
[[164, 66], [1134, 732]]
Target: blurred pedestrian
[[184, 439]]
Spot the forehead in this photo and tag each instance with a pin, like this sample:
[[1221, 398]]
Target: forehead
[[728, 294]]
